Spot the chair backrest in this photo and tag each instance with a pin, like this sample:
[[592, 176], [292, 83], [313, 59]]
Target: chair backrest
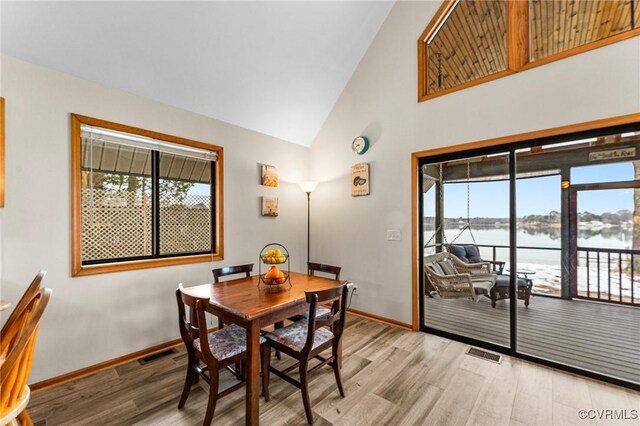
[[468, 253], [232, 270], [337, 296], [18, 342], [319, 267], [31, 291], [440, 263], [194, 325]]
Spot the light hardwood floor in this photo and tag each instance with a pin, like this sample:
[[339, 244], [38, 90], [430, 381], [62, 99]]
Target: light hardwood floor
[[391, 376]]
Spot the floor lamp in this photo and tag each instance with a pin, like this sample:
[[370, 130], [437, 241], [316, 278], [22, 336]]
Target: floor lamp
[[308, 187]]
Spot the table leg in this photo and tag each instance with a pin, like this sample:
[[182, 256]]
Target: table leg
[[253, 374]]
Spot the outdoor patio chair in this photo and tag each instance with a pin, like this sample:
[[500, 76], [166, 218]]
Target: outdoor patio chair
[[441, 270], [470, 254]]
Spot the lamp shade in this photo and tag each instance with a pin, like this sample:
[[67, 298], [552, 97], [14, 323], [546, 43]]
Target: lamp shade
[[308, 186]]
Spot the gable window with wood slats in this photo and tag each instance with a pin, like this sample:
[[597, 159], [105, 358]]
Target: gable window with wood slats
[[142, 199], [469, 42]]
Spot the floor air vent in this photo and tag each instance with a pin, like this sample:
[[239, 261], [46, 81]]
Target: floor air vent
[[155, 356], [479, 353]]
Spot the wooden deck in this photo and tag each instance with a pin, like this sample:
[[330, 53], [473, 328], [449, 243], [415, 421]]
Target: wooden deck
[[593, 336]]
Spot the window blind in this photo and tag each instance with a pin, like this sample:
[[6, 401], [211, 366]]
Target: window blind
[[97, 134]]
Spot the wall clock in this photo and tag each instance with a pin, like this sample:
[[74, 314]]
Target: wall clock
[[360, 145]]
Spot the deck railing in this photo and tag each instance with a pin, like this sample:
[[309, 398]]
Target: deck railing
[[601, 274], [616, 285]]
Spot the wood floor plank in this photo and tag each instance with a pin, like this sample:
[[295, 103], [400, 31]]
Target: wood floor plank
[[370, 410], [495, 402], [387, 365], [564, 415], [457, 401], [568, 392]]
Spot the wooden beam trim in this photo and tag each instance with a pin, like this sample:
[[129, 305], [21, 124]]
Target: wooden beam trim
[[467, 85], [379, 318], [517, 34], [144, 264], [416, 226]]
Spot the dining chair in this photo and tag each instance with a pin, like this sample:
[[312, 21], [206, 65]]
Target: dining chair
[[17, 343], [224, 347], [29, 293], [304, 340], [313, 267], [230, 270]]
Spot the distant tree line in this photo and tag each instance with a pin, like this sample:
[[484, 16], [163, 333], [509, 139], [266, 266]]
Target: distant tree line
[[552, 218]]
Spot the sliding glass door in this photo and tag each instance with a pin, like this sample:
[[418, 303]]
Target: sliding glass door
[[544, 240]]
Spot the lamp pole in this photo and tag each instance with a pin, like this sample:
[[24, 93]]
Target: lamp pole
[[308, 225], [308, 187]]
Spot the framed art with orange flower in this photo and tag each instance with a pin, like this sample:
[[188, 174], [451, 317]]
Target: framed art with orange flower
[[269, 176]]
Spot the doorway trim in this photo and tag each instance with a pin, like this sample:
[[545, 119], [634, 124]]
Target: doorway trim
[[573, 243], [468, 148]]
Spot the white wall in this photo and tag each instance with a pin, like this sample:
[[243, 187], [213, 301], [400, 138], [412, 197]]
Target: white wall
[[380, 102], [96, 318]]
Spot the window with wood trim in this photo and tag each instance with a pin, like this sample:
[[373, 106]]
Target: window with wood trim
[[561, 25], [469, 42], [142, 199]]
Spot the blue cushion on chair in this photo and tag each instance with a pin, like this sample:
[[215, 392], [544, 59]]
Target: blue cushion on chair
[[473, 254], [459, 252]]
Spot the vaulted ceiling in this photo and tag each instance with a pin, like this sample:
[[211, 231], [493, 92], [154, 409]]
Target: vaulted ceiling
[[274, 67]]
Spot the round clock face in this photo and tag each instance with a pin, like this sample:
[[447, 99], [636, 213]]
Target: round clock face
[[360, 145]]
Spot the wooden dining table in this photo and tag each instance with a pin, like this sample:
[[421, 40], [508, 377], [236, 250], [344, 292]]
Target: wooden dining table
[[253, 305]]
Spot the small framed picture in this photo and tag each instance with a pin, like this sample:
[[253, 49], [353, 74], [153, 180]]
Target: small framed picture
[[269, 206], [360, 180], [269, 176]]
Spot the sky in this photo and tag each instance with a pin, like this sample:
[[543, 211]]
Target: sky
[[538, 195]]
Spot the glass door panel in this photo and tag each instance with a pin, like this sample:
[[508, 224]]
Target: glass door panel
[[578, 209], [606, 258], [466, 247]]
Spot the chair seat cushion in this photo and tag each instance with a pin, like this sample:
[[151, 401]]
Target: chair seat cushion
[[226, 342], [294, 335], [320, 312], [505, 280], [482, 287]]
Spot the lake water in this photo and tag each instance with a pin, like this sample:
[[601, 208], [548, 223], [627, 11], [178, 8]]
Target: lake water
[[605, 238], [547, 263]]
